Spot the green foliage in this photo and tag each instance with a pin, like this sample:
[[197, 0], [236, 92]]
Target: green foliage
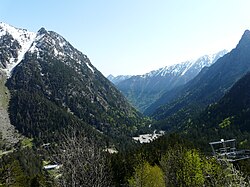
[[181, 163], [12, 175], [124, 162], [233, 177], [209, 87], [27, 142], [48, 95], [188, 167], [171, 164], [147, 176], [23, 168], [243, 166], [39, 118], [228, 118], [192, 169], [225, 123]]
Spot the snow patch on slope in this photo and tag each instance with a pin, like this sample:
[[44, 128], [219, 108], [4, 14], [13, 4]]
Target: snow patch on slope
[[118, 79], [175, 69], [182, 68], [189, 65], [24, 38], [33, 48], [90, 67]]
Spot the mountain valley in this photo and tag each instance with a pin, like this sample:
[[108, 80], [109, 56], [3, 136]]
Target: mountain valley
[[53, 71], [144, 90], [62, 123], [206, 88]]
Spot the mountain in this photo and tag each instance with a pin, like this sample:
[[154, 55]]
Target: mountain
[[143, 90], [206, 88], [14, 44], [117, 79], [228, 118], [55, 87]]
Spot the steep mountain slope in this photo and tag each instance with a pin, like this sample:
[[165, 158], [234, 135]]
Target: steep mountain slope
[[118, 79], [8, 135], [208, 87], [14, 43], [143, 90], [55, 87], [229, 118]]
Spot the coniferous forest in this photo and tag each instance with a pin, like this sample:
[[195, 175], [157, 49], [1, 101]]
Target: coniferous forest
[[64, 124]]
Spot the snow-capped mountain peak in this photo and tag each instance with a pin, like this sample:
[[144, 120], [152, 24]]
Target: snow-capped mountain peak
[[183, 68], [143, 90], [20, 40], [21, 35], [55, 45], [15, 43], [119, 78], [175, 70]]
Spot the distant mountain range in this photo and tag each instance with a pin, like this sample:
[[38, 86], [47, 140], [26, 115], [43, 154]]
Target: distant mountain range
[[55, 87], [178, 105], [143, 90], [177, 96], [118, 79]]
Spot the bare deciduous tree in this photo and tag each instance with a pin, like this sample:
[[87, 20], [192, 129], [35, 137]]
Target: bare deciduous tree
[[83, 162]]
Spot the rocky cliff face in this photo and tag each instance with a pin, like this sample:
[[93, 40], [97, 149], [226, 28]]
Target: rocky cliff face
[[14, 44]]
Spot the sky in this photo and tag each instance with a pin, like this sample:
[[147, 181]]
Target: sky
[[133, 37]]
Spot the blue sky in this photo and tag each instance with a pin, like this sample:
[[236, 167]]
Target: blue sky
[[135, 36]]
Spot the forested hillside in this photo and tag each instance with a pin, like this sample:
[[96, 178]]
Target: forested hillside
[[69, 126], [229, 118], [55, 86], [143, 90], [208, 87]]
